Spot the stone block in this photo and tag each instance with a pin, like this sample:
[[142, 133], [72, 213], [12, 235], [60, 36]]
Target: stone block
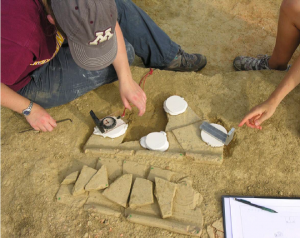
[[64, 195], [165, 193], [113, 166], [71, 178], [159, 173], [98, 181], [85, 175], [137, 170], [142, 193], [119, 190]]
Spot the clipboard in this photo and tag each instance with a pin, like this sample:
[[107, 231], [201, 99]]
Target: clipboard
[[242, 221]]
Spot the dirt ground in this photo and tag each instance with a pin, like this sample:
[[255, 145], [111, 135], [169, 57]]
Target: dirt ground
[[260, 163]]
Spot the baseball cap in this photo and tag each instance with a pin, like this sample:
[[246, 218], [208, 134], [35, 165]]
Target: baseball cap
[[90, 29]]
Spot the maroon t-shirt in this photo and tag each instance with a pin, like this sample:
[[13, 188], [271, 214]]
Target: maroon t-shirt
[[28, 40]]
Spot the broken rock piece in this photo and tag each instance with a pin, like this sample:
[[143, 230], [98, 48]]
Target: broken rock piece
[[160, 173], [64, 195], [142, 193], [119, 190], [113, 166], [218, 225], [165, 192], [71, 178], [85, 175], [98, 181], [137, 170]]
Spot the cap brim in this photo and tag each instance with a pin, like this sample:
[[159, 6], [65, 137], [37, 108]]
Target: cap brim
[[94, 57]]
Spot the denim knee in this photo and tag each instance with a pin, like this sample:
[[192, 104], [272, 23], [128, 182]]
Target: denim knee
[[130, 53]]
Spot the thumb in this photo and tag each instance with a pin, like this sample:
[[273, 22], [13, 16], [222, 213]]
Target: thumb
[[260, 120], [126, 103]]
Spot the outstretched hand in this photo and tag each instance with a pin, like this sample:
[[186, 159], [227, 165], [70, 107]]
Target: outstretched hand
[[40, 120], [259, 114], [131, 92]]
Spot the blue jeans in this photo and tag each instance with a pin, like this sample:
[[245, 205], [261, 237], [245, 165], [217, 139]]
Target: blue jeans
[[61, 80]]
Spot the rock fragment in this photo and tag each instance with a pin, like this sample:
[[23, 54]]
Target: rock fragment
[[165, 193], [160, 173], [85, 175], [119, 190], [71, 178], [142, 193], [98, 181], [137, 170]]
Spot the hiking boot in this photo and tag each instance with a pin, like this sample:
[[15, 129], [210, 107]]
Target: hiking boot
[[244, 63], [185, 62]]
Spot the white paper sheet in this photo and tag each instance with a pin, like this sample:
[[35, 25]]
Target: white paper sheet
[[244, 221]]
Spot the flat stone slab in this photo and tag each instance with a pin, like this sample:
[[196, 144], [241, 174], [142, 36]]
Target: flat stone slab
[[98, 181], [131, 145], [142, 193], [218, 225], [186, 196], [119, 190], [85, 175], [189, 137], [182, 120], [165, 193], [137, 170], [96, 202], [113, 166], [159, 173], [71, 178], [99, 142], [174, 147], [64, 195]]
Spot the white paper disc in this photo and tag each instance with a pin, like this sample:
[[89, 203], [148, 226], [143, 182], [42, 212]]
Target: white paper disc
[[119, 130], [143, 142], [157, 141], [210, 140], [175, 105]]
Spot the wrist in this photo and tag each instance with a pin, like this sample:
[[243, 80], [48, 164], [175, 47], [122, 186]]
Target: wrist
[[26, 112]]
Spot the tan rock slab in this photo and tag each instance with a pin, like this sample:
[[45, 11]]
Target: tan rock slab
[[165, 193], [110, 151], [98, 203], [174, 147], [137, 170], [142, 193], [186, 196], [211, 232], [85, 175], [189, 137], [159, 173], [131, 145], [182, 120], [119, 190], [220, 234], [159, 154], [113, 166], [71, 178], [218, 225], [167, 224], [99, 142], [98, 181], [64, 195]]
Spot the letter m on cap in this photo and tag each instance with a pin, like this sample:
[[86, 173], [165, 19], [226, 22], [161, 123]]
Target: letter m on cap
[[102, 36]]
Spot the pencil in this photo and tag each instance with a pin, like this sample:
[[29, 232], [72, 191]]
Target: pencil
[[254, 205]]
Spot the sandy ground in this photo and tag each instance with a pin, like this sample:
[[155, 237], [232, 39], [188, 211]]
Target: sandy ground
[[257, 163]]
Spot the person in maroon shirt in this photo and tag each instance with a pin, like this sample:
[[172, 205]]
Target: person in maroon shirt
[[55, 51]]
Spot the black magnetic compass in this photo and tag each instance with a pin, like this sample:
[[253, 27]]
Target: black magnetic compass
[[108, 122]]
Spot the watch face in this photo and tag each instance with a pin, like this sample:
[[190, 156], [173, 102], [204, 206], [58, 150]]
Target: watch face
[[26, 113], [108, 122]]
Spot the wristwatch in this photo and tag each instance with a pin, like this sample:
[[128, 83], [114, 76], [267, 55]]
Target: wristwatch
[[26, 112]]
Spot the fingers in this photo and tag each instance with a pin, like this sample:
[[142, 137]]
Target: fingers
[[260, 120], [248, 117]]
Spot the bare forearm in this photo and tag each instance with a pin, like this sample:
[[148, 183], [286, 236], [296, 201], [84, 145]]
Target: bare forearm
[[120, 63], [290, 81], [13, 100]]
